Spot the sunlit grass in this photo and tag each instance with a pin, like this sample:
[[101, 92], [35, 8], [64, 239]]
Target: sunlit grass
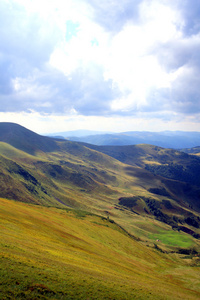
[[11, 152]]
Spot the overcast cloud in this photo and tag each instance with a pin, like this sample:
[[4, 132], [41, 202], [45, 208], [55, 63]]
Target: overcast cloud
[[100, 59]]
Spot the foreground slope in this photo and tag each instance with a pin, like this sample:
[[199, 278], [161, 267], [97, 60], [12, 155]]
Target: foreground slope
[[53, 253]]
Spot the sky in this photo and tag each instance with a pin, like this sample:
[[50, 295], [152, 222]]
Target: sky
[[106, 65]]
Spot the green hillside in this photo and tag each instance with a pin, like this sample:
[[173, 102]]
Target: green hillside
[[179, 171], [49, 253], [140, 155]]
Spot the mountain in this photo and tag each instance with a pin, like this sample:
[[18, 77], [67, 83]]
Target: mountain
[[166, 139], [117, 181], [81, 221]]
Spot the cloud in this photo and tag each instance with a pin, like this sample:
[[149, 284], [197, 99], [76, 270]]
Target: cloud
[[164, 69], [185, 92], [190, 10], [26, 45], [113, 15], [51, 92], [100, 58], [31, 80], [25, 36]]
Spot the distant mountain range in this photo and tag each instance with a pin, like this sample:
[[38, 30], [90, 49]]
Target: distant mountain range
[[166, 139], [78, 133]]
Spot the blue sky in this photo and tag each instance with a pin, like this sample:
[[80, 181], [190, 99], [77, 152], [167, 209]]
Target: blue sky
[[100, 65]]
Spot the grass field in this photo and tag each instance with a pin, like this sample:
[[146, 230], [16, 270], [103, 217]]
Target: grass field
[[173, 238], [49, 253]]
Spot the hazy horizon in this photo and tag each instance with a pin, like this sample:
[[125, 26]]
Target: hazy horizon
[[121, 132]]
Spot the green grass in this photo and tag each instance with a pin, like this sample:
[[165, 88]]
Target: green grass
[[11, 152], [51, 253], [172, 238]]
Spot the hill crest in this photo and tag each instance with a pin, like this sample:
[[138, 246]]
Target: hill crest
[[25, 139]]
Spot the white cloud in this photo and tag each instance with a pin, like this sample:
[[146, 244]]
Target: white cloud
[[132, 63], [161, 22]]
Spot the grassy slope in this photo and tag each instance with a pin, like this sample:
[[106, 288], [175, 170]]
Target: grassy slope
[[170, 164], [144, 154], [50, 253]]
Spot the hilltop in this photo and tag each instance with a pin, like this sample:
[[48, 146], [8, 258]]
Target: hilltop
[[24, 139]]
